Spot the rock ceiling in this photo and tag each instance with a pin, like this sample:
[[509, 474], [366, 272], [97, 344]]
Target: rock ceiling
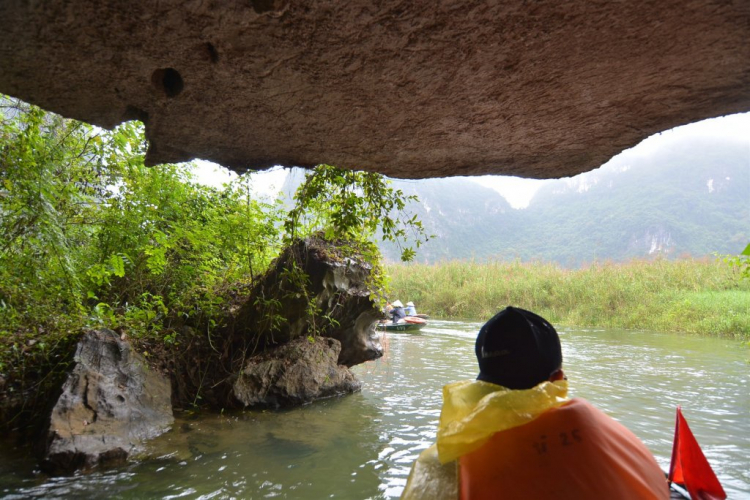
[[413, 88]]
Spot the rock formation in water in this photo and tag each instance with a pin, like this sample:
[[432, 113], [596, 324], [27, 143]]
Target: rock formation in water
[[288, 339], [336, 284], [317, 306], [294, 374], [315, 289], [111, 403]]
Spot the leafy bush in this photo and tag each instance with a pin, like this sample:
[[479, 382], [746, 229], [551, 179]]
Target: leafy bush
[[94, 238]]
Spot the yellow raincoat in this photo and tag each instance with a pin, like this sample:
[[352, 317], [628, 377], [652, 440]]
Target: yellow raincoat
[[473, 411], [531, 444]]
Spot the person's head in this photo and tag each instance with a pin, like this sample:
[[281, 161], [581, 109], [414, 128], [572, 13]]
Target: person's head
[[518, 349], [397, 303], [410, 304]]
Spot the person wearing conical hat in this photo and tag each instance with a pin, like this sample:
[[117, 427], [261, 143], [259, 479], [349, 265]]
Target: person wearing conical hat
[[397, 313]]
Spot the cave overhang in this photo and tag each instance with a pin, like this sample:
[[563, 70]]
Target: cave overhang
[[410, 89]]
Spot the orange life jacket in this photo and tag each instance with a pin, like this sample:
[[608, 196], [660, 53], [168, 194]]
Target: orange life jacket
[[573, 452]]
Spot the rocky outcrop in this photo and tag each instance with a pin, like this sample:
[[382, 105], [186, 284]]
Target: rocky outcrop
[[111, 403], [334, 281], [411, 89], [654, 240], [288, 339], [296, 373], [315, 288]]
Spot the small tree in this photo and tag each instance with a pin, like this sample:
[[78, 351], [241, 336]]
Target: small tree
[[353, 206]]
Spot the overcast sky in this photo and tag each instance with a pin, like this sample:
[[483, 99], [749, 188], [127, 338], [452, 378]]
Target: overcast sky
[[516, 190]]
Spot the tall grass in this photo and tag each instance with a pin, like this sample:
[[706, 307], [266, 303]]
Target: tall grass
[[695, 296]]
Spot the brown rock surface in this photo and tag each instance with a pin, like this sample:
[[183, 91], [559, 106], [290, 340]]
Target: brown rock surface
[[338, 286], [410, 89], [111, 404], [296, 373]]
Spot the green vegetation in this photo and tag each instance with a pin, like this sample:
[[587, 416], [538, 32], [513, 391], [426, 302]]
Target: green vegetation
[[694, 296], [689, 198], [92, 237], [740, 262]]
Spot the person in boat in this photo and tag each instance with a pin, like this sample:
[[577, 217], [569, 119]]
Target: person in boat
[[397, 313], [410, 310], [512, 432], [388, 308]]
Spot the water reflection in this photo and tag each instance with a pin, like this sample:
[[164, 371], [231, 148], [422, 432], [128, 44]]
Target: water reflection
[[362, 446]]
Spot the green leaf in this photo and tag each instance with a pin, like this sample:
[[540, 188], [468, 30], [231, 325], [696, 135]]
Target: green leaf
[[118, 265]]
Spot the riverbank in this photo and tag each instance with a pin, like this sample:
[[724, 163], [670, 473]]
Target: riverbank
[[699, 296]]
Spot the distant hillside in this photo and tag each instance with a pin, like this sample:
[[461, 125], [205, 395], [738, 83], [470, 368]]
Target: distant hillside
[[464, 217], [689, 198]]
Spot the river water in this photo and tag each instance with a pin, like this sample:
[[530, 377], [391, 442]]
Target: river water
[[362, 446]]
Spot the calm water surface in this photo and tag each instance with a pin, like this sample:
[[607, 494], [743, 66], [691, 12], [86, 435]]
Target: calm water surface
[[362, 446]]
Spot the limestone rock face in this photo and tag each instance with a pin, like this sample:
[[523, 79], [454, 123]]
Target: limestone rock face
[[410, 89], [296, 373], [338, 287], [111, 403]]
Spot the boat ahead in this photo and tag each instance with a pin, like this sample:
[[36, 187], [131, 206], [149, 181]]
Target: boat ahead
[[409, 324]]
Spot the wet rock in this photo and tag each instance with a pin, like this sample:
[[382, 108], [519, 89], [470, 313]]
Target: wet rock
[[296, 373], [110, 405]]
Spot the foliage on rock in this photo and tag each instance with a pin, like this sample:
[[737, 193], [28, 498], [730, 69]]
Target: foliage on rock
[[353, 206]]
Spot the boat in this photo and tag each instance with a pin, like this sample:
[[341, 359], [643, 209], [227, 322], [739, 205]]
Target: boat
[[408, 324], [400, 327]]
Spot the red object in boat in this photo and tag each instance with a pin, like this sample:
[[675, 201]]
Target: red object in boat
[[414, 319], [689, 466]]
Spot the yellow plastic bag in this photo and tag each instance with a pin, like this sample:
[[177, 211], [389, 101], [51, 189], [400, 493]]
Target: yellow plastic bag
[[472, 412]]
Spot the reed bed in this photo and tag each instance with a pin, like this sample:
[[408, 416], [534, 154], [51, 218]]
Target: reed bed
[[701, 296]]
